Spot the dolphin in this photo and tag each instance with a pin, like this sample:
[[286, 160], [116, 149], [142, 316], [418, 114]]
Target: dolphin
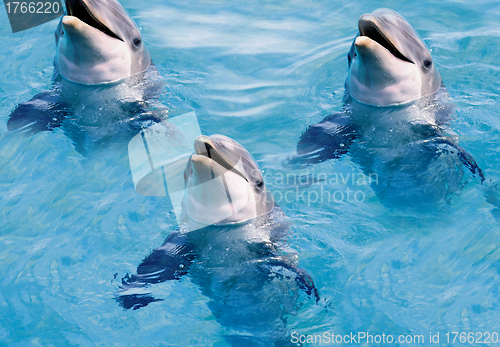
[[102, 69], [97, 42], [395, 118], [240, 262]]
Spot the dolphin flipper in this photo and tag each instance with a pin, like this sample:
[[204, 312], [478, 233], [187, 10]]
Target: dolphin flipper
[[135, 301], [279, 266], [329, 139], [168, 262], [464, 156], [438, 139], [44, 112]]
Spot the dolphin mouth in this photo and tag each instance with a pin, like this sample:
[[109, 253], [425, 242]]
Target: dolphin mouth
[[78, 9], [368, 28], [204, 146]]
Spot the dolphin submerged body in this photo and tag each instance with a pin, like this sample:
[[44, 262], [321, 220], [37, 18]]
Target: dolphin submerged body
[[395, 118], [240, 262], [103, 75]]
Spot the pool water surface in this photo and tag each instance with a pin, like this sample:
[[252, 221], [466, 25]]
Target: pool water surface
[[72, 225]]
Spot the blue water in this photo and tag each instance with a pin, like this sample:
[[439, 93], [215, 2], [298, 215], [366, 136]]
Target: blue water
[[72, 225]]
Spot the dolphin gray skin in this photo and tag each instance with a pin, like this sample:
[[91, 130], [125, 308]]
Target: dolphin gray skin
[[241, 263], [395, 118], [102, 69], [97, 42]]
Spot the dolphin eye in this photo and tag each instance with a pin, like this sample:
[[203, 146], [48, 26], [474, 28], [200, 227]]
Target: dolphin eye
[[427, 63], [259, 184], [137, 42]]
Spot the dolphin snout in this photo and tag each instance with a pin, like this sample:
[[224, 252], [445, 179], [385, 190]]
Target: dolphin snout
[[368, 25], [366, 21], [203, 145]]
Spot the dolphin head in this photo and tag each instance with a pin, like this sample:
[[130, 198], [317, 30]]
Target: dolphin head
[[388, 62], [97, 42], [224, 184]]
